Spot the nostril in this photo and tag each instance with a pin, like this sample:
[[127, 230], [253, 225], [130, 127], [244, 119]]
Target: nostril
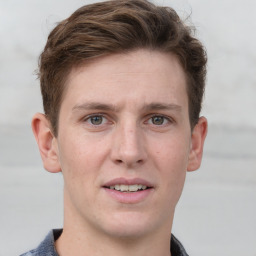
[[119, 161]]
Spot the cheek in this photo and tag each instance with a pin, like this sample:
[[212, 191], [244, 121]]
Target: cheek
[[77, 151], [77, 168], [172, 161], [172, 154], [81, 158]]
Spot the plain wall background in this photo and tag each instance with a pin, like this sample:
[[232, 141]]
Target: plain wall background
[[216, 215]]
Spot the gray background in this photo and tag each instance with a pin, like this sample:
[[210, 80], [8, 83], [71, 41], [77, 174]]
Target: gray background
[[216, 214]]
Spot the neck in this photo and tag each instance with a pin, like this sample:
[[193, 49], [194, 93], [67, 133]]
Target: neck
[[77, 243], [80, 238]]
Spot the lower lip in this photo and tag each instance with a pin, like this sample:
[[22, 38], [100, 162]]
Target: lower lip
[[129, 197]]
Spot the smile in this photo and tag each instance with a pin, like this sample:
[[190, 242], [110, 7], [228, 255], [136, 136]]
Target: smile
[[129, 191], [129, 188]]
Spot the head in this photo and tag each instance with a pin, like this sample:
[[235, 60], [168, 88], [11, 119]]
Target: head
[[122, 84], [117, 27]]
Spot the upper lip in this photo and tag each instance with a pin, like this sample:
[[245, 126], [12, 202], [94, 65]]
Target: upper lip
[[125, 181]]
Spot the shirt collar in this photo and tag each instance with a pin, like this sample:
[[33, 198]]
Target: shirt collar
[[47, 247]]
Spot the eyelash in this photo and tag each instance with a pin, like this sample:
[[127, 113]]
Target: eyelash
[[88, 119], [166, 119]]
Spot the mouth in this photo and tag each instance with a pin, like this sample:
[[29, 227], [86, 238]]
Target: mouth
[[129, 191], [128, 188]]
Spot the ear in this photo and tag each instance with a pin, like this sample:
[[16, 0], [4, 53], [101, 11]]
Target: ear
[[47, 142], [197, 144]]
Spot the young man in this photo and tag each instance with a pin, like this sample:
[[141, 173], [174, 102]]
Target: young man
[[122, 84]]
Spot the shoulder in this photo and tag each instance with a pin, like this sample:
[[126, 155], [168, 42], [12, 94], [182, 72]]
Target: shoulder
[[46, 247], [177, 248], [30, 253]]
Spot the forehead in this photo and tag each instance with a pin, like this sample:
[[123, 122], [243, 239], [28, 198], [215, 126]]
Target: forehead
[[142, 75]]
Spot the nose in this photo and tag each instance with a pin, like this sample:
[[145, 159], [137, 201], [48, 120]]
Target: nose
[[129, 146]]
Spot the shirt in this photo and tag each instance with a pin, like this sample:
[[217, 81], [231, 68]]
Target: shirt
[[47, 247]]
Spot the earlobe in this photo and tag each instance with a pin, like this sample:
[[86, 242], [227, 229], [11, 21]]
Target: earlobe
[[197, 144], [47, 142]]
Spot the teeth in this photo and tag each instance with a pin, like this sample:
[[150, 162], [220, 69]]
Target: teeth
[[129, 188], [123, 188], [133, 188]]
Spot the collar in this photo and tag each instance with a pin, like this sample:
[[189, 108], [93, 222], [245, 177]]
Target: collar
[[47, 247]]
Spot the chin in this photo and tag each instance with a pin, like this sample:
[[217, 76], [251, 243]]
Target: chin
[[130, 225]]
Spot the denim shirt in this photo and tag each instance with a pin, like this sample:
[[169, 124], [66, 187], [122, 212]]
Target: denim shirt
[[47, 248]]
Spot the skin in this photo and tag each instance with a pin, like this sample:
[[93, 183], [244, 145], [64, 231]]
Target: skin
[[122, 115]]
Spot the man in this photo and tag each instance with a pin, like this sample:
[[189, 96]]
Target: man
[[122, 85]]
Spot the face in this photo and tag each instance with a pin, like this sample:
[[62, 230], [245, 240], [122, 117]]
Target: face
[[124, 142]]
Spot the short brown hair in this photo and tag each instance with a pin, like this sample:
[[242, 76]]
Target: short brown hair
[[113, 27]]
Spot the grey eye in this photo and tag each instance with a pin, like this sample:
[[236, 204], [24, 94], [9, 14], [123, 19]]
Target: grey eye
[[96, 120], [157, 120]]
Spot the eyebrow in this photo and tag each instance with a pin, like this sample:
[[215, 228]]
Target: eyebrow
[[94, 106], [110, 107], [161, 106]]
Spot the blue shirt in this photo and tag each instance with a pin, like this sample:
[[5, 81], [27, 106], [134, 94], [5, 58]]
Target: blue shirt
[[47, 247]]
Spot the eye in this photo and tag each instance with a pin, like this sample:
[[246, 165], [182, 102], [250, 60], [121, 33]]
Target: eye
[[96, 120], [159, 120]]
